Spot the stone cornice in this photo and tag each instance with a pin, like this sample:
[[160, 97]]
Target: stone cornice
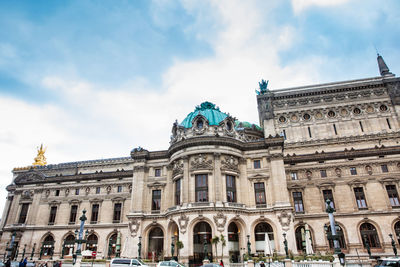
[[352, 153], [224, 141], [80, 177]]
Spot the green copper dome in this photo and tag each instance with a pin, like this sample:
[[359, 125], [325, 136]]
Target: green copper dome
[[246, 124], [209, 111]]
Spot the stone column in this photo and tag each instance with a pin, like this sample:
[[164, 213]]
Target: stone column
[[278, 180], [218, 193], [186, 250], [185, 181], [138, 189]]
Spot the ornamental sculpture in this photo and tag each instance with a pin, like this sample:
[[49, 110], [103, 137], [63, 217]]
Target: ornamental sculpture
[[201, 162], [40, 159]]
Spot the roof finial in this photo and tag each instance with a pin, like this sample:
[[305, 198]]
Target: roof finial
[[383, 68]]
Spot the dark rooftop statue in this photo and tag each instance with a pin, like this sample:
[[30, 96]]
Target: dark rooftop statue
[[383, 68], [263, 87]]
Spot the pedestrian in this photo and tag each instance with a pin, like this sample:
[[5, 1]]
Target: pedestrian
[[21, 263], [221, 263], [25, 262], [8, 263], [262, 264]]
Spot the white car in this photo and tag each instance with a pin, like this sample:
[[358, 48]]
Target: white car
[[169, 263], [120, 262]]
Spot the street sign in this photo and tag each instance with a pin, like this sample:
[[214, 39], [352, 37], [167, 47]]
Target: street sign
[[94, 253]]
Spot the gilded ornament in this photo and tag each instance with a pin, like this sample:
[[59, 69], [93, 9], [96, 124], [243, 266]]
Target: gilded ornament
[[40, 159]]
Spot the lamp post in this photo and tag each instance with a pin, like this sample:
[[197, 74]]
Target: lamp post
[[334, 234], [172, 246], [5, 252], [393, 245], [205, 248], [16, 252], [33, 251], [366, 242], [11, 247], [80, 240], [118, 245], [139, 247], [23, 252], [286, 246], [248, 245]]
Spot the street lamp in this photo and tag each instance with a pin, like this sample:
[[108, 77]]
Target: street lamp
[[248, 245], [393, 245], [335, 233], [172, 246], [11, 247], [81, 240], [366, 242], [205, 248], [33, 251], [23, 252], [139, 247], [286, 246]]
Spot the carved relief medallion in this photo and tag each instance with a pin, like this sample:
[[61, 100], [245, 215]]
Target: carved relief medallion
[[230, 164], [285, 219], [220, 221], [183, 223], [200, 162], [134, 226]]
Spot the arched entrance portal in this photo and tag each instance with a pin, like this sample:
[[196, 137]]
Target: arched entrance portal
[[233, 242], [202, 235], [69, 244], [156, 243], [264, 238]]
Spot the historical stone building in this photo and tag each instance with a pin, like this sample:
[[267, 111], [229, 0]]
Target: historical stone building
[[224, 177]]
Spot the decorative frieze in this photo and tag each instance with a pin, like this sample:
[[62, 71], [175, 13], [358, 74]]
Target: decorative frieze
[[200, 162]]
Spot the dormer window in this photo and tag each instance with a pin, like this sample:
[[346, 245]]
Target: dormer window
[[199, 124], [229, 126]]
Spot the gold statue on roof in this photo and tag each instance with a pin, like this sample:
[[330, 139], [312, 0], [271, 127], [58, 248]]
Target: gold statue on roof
[[40, 159]]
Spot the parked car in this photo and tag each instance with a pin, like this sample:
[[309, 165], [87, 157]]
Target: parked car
[[169, 263], [211, 265], [394, 262], [120, 262]]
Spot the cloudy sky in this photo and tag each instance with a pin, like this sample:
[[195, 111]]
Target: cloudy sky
[[94, 79]]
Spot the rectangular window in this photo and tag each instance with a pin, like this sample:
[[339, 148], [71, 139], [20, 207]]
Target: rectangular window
[[119, 189], [117, 212], [259, 191], [98, 190], [393, 196], [157, 172], [353, 171], [53, 213], [95, 213], [156, 200], [293, 176], [323, 173], [178, 192], [57, 193], [283, 134], [257, 164], [72, 215], [230, 188], [309, 132], [23, 213], [328, 195], [384, 168], [360, 198], [201, 187], [298, 202], [77, 191]]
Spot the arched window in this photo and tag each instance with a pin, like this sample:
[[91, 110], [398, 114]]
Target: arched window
[[69, 243], [301, 239], [339, 231], [262, 232], [233, 242], [112, 245], [156, 243], [369, 234], [92, 242], [397, 231], [48, 246], [201, 233]]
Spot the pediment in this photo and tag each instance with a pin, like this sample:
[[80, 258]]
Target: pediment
[[357, 181], [258, 176], [389, 180], [29, 177], [326, 184], [296, 186], [156, 184]]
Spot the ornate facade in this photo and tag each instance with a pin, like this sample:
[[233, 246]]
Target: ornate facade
[[222, 177]]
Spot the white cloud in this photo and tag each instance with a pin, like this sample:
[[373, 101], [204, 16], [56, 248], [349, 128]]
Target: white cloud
[[94, 121], [301, 5]]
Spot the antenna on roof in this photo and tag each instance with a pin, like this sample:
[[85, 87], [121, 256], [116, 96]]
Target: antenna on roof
[[376, 49]]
